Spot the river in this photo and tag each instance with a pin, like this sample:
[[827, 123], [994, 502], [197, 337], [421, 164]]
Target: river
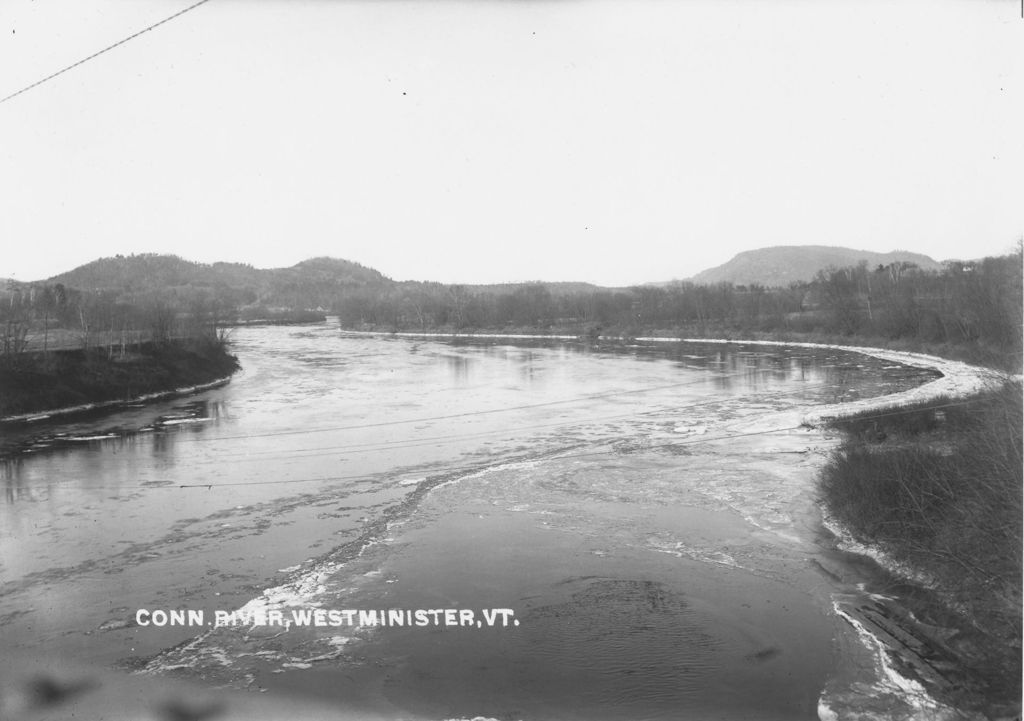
[[645, 513]]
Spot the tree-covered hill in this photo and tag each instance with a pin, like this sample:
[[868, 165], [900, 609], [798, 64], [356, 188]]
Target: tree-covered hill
[[779, 266], [316, 283], [309, 284]]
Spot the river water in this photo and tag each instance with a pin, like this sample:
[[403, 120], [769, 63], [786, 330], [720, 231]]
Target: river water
[[645, 513]]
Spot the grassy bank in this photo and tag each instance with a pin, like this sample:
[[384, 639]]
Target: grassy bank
[[973, 352], [938, 488], [34, 382]]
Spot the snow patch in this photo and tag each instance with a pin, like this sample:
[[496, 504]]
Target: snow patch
[[179, 421], [847, 542], [890, 680]]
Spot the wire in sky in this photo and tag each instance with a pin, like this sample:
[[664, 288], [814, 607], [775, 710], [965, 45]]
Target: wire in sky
[[106, 49]]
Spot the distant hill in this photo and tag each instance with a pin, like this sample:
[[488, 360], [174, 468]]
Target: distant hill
[[150, 271], [310, 284], [785, 264]]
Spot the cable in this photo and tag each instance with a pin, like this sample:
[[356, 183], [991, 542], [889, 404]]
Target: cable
[[299, 453], [314, 452], [466, 414], [674, 444], [368, 476], [318, 451], [587, 454], [106, 49], [398, 445], [325, 429]]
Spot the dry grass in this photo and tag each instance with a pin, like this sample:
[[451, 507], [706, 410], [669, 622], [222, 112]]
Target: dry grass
[[939, 487]]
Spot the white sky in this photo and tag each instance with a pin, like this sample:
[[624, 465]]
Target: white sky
[[501, 140]]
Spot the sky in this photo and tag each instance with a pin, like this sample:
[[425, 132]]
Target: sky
[[480, 141]]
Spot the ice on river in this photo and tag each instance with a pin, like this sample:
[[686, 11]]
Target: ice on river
[[647, 513]]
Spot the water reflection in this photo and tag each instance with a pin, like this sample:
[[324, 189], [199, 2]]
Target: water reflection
[[529, 365], [91, 439], [323, 433], [736, 367], [528, 371], [458, 367], [15, 486]]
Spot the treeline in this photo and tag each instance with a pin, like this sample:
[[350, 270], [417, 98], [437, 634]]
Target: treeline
[[426, 306], [44, 317], [974, 307], [64, 347], [310, 284], [966, 303], [126, 299]]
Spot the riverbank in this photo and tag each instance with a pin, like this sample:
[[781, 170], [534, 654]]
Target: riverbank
[[956, 377], [933, 493], [937, 635], [74, 381], [976, 354]]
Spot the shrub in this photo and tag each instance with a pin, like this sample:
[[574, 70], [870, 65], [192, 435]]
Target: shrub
[[938, 486]]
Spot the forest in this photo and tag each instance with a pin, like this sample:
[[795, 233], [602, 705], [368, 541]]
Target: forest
[[971, 308]]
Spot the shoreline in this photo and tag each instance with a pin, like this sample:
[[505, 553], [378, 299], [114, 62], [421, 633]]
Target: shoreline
[[957, 380], [38, 387], [106, 405]]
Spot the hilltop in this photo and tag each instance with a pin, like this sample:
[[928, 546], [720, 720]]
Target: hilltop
[[778, 266], [313, 283], [309, 284], [319, 282]]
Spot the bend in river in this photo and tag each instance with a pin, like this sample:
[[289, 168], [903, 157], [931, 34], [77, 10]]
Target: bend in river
[[645, 512]]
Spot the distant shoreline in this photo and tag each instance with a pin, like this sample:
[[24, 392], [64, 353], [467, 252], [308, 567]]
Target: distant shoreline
[[957, 377], [974, 355]]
